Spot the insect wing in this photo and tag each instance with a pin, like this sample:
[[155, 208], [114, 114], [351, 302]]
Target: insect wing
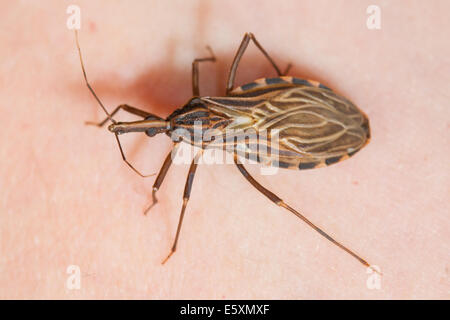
[[300, 124]]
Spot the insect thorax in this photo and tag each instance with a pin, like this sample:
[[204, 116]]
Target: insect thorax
[[195, 122]]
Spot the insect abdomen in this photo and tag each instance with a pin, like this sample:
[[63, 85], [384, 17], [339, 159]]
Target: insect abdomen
[[316, 127]]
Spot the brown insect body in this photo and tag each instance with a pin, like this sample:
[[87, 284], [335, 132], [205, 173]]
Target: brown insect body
[[301, 123], [314, 125]]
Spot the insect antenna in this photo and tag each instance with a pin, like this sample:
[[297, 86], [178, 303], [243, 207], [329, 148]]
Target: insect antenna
[[109, 116], [87, 82]]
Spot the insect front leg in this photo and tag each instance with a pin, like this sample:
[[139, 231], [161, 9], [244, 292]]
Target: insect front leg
[[128, 163], [274, 198], [161, 175], [131, 110], [186, 196], [237, 58], [125, 107], [195, 72], [109, 116]]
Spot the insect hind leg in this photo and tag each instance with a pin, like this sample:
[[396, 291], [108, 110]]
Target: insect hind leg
[[274, 198], [237, 58]]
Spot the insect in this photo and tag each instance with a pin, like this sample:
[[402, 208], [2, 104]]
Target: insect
[[315, 126]]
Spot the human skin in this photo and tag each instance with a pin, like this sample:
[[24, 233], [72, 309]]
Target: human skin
[[68, 199]]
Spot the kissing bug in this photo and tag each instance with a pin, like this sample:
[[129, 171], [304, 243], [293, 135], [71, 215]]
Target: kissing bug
[[316, 127]]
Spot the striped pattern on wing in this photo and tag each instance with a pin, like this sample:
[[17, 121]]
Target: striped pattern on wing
[[316, 126]]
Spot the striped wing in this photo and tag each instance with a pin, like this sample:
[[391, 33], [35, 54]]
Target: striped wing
[[301, 124]]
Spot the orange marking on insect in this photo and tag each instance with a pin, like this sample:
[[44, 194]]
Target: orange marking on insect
[[261, 81], [314, 83], [287, 78], [320, 164]]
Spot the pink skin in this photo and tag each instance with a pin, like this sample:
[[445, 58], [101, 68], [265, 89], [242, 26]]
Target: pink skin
[[68, 199]]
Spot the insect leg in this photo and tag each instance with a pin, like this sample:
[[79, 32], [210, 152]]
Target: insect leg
[[274, 198], [108, 115], [240, 53], [161, 175], [186, 195], [124, 107], [127, 162], [195, 88], [132, 110]]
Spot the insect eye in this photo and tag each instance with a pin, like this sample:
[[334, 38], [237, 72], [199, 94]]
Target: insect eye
[[152, 132], [152, 117]]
